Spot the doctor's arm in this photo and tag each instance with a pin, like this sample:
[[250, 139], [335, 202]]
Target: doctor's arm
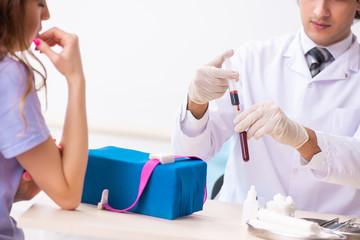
[[338, 162], [197, 110], [199, 131], [310, 147], [333, 159], [209, 83]]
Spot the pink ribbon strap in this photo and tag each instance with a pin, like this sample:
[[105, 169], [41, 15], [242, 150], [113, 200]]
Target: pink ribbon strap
[[144, 178]]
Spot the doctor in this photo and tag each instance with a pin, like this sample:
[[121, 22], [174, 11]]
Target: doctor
[[300, 104]]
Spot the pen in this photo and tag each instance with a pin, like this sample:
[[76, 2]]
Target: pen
[[235, 101]]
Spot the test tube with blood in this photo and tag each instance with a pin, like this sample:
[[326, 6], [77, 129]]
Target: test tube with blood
[[235, 101]]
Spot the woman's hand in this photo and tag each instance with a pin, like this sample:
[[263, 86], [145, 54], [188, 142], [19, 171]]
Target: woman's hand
[[68, 61], [27, 188]]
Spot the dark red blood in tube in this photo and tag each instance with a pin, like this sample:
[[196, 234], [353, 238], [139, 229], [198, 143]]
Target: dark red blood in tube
[[243, 135], [244, 146]]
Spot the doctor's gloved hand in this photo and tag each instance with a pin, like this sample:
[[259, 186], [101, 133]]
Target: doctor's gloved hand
[[268, 118], [210, 81]]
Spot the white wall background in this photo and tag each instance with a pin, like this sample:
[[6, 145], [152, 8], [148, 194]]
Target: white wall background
[[139, 55]]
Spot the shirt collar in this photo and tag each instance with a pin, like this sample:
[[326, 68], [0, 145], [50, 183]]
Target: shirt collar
[[336, 49]]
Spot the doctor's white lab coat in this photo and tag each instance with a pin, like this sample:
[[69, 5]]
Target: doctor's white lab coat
[[329, 103]]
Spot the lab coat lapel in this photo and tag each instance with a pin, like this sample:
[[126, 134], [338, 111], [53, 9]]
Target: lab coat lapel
[[338, 70], [342, 67], [294, 58]]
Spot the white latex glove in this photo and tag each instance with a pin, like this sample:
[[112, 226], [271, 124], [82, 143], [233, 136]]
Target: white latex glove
[[267, 118], [210, 81]]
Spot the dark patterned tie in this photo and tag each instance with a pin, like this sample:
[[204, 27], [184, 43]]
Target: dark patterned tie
[[318, 56]]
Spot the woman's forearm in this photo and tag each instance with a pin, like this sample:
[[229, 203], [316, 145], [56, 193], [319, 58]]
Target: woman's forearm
[[75, 136]]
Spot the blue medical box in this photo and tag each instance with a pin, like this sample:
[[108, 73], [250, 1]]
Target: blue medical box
[[173, 190]]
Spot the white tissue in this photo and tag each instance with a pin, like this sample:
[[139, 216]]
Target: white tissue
[[290, 223], [278, 217], [279, 229], [281, 205]]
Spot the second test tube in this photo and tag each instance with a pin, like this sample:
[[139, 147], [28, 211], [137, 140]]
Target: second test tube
[[235, 101]]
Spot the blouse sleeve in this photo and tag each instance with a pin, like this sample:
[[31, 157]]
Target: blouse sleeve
[[15, 138]]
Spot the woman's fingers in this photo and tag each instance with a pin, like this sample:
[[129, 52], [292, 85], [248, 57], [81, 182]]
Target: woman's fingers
[[68, 60], [54, 36], [26, 176], [43, 47]]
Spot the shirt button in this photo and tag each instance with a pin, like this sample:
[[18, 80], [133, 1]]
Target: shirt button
[[295, 171], [310, 85]]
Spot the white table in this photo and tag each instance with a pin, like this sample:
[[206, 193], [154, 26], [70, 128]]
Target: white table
[[218, 220]]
